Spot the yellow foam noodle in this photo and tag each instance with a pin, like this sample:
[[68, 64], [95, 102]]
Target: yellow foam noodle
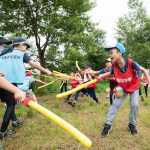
[[61, 95], [62, 123], [77, 65]]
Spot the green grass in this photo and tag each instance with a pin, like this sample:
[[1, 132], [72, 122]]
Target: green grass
[[40, 133]]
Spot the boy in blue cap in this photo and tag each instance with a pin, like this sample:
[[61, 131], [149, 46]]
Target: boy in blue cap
[[127, 74], [12, 66]]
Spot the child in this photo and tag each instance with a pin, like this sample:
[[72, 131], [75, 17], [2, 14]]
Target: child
[[12, 65], [18, 95], [73, 84], [28, 80], [127, 74], [111, 78], [145, 81], [63, 85], [87, 76]]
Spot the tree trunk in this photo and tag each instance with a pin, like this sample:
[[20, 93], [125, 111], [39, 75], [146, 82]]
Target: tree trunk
[[41, 57]]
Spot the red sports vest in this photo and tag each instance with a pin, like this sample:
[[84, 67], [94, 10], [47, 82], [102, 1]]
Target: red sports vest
[[127, 80], [74, 83], [91, 86], [111, 78]]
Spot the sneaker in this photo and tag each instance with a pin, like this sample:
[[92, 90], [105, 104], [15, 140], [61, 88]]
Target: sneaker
[[6, 133], [71, 103], [132, 129], [17, 123], [106, 130]]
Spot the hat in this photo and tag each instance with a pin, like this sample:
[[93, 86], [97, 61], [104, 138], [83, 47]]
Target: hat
[[73, 69], [21, 41], [4, 40], [108, 60], [119, 46], [28, 73], [87, 65]]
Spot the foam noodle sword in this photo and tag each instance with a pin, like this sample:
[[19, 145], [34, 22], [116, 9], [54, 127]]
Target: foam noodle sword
[[63, 75], [62, 123], [77, 66], [48, 83], [77, 88]]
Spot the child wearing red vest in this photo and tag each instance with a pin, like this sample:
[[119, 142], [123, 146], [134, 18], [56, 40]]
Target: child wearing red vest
[[73, 84], [127, 74], [87, 76]]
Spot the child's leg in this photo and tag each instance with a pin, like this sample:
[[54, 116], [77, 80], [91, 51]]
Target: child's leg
[[112, 86], [133, 107], [9, 113], [92, 94], [67, 99], [77, 95], [114, 108], [13, 116], [146, 89], [65, 86], [61, 90]]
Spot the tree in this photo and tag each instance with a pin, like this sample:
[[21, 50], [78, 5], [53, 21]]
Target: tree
[[133, 30], [51, 23]]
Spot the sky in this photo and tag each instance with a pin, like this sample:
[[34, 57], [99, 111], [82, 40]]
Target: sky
[[106, 13]]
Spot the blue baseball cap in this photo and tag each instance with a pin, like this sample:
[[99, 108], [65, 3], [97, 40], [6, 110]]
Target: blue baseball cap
[[21, 41], [119, 46], [87, 65]]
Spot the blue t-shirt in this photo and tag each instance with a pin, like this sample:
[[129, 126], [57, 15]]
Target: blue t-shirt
[[26, 57], [12, 65], [102, 71], [135, 66]]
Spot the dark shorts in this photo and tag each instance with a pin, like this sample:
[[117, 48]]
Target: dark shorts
[[7, 97]]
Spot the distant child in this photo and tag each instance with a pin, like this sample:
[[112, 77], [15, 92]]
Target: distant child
[[73, 84], [111, 78], [63, 86], [88, 77], [26, 86], [145, 81], [127, 74], [12, 66]]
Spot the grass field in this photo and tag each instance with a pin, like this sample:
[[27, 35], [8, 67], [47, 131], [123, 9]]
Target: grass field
[[39, 133]]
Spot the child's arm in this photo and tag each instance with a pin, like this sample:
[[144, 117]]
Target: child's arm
[[93, 72], [18, 94], [146, 74], [40, 81], [39, 67], [102, 76]]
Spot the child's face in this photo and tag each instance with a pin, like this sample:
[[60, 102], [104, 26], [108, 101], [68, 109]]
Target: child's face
[[108, 64], [72, 74], [23, 47], [87, 68], [114, 54]]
